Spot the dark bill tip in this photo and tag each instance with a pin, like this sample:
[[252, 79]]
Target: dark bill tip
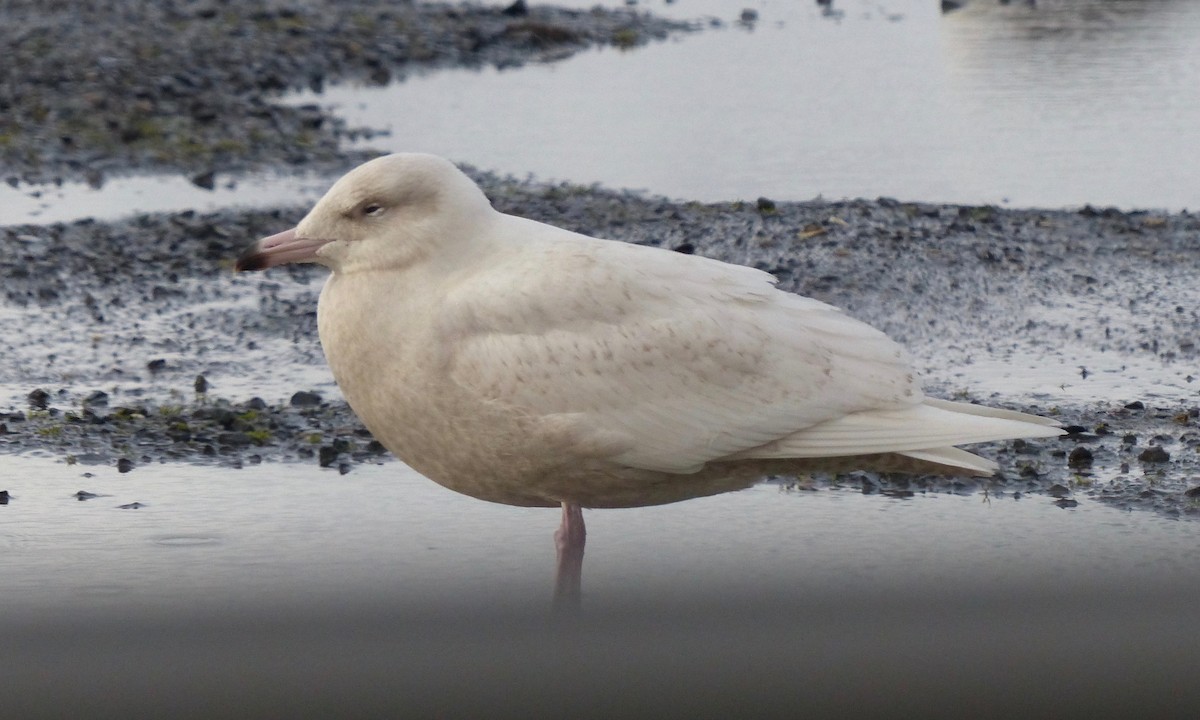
[[250, 260], [278, 249]]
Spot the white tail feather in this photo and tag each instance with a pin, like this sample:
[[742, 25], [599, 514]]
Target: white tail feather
[[955, 458], [926, 432]]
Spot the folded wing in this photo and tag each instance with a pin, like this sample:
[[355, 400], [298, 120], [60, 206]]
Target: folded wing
[[674, 361]]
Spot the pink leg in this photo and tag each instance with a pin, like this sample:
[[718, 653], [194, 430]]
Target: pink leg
[[569, 540]]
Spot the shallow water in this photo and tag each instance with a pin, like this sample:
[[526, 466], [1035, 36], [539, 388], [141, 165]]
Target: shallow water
[[208, 538], [379, 590], [1068, 103], [123, 196], [1062, 105]]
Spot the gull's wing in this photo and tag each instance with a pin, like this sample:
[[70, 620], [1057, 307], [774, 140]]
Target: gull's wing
[[667, 360]]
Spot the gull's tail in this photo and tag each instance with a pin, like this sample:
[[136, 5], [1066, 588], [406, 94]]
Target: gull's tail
[[926, 433]]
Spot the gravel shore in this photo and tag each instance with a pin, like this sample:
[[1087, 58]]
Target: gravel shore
[[92, 89], [137, 345]]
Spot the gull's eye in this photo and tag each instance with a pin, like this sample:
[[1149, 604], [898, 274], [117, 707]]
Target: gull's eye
[[372, 210]]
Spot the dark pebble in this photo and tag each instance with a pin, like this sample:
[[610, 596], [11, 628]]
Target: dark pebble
[[97, 397], [1154, 454], [1193, 493], [85, 495], [256, 403], [124, 465], [205, 180], [305, 398], [131, 506], [234, 439], [1080, 457], [1024, 447], [201, 384], [156, 365], [1135, 405], [327, 456], [1066, 503], [4, 497], [517, 9], [1058, 490], [39, 399]]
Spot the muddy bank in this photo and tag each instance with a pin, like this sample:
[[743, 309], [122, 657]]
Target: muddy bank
[[110, 325], [119, 319], [96, 88]]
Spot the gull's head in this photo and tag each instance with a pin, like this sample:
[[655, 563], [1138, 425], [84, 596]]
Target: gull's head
[[388, 213]]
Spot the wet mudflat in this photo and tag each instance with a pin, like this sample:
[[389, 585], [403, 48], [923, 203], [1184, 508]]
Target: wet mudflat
[[100, 88], [1085, 315]]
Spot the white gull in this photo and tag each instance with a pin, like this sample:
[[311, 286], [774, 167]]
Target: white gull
[[521, 363]]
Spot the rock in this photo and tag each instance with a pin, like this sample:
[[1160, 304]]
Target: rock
[[234, 439], [1154, 454], [131, 506], [304, 398], [1080, 457], [38, 399], [201, 384], [124, 465], [517, 9], [97, 397], [1058, 490], [156, 365], [206, 180], [327, 456]]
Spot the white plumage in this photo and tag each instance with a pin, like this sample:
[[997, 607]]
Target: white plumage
[[523, 363]]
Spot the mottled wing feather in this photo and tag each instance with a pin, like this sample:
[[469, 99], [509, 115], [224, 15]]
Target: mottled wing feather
[[688, 359]]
